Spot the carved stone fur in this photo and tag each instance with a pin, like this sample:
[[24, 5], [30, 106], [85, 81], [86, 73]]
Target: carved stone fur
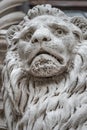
[[44, 76]]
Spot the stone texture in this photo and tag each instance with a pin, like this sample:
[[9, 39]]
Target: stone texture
[[10, 13], [44, 74]]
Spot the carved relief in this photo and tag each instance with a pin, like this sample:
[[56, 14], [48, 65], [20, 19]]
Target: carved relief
[[10, 13], [44, 76]]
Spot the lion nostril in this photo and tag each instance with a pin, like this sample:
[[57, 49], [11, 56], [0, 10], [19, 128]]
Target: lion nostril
[[40, 39], [35, 40], [45, 39]]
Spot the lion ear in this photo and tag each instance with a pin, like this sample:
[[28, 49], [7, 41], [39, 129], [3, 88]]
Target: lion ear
[[80, 22], [11, 36]]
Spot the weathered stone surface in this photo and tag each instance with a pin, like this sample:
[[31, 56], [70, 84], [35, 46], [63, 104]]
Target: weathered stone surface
[[3, 125], [1, 104], [44, 74], [10, 13]]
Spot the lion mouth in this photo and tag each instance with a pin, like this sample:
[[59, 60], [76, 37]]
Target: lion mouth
[[56, 56], [45, 64]]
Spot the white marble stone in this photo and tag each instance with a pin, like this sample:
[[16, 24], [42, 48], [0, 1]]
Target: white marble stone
[[44, 76]]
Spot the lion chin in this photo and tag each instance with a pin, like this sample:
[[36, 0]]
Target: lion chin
[[52, 93]]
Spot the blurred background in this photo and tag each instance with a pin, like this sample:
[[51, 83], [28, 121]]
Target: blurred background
[[13, 11]]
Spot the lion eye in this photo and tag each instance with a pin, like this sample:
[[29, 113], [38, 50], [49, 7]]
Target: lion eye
[[28, 36], [59, 32]]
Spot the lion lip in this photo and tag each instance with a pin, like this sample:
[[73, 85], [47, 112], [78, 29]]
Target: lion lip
[[56, 56]]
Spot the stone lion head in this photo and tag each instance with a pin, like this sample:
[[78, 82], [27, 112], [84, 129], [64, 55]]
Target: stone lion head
[[44, 76]]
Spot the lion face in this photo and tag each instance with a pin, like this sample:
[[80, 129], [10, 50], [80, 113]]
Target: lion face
[[46, 45]]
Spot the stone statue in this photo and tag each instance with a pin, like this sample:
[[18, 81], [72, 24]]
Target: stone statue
[[44, 74]]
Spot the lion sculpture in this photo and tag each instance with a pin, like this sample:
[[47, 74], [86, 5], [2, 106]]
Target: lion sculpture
[[44, 74]]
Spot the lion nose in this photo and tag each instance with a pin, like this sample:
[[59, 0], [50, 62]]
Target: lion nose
[[41, 35]]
